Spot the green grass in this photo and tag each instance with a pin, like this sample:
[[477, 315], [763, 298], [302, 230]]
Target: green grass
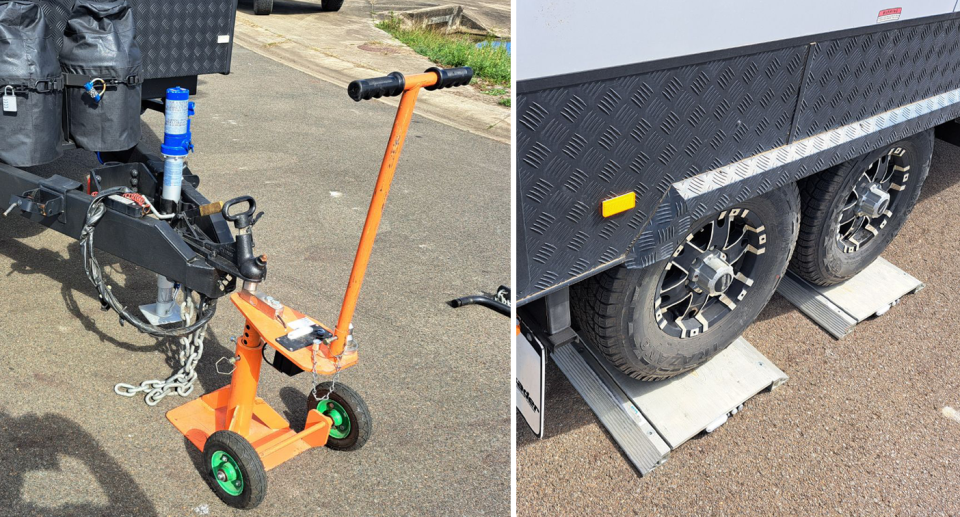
[[496, 91], [451, 50]]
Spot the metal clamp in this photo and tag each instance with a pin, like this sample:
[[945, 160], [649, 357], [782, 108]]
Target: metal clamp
[[38, 201]]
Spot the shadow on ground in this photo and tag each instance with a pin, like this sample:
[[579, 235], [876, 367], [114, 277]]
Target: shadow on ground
[[941, 176], [40, 457], [138, 284]]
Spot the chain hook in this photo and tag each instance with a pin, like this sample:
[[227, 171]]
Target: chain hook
[[315, 348]]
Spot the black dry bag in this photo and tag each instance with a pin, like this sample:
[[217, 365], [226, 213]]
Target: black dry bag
[[101, 62], [30, 86]]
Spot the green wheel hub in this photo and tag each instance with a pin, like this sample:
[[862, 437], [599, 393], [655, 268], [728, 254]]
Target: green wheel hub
[[226, 471], [337, 413]]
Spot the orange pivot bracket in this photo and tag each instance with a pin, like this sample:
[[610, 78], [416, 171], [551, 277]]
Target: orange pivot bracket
[[236, 406]]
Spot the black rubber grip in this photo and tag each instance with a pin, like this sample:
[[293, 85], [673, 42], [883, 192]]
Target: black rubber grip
[[251, 208], [450, 77], [366, 89]]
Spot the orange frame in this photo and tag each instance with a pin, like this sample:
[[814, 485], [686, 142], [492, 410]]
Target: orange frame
[[236, 406]]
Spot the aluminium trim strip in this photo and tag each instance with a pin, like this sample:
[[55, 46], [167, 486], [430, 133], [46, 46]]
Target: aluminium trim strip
[[768, 160]]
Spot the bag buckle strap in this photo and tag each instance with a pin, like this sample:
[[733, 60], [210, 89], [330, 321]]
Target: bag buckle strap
[[47, 85]]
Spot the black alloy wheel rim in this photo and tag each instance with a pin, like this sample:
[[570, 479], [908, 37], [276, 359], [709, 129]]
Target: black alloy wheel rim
[[682, 308], [888, 174]]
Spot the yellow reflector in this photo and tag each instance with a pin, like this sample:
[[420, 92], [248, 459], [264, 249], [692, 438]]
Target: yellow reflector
[[618, 204]]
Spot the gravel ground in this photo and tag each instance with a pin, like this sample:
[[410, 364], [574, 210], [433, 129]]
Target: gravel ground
[[435, 378], [858, 429]]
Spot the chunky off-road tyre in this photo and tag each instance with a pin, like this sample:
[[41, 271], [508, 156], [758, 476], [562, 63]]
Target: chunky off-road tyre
[[652, 323], [331, 5], [352, 425], [262, 6], [842, 229], [233, 470]]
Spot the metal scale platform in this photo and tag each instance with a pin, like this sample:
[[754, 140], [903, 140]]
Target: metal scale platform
[[649, 419], [839, 308]]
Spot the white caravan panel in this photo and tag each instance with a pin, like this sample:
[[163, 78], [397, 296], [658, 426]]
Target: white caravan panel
[[558, 37]]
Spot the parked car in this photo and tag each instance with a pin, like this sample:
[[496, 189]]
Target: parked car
[[266, 6]]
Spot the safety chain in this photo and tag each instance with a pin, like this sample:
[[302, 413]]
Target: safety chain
[[316, 376], [191, 349], [95, 274], [190, 335]]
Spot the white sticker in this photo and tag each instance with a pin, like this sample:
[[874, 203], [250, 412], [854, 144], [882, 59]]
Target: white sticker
[[889, 15], [223, 38]]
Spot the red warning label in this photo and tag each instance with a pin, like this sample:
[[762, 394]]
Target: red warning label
[[889, 15]]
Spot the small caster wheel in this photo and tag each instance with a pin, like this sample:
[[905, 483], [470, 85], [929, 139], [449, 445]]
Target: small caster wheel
[[234, 470], [352, 424]]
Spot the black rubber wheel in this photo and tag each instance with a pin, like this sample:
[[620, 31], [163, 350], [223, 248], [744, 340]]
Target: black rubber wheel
[[841, 230], [233, 470], [331, 5], [262, 6], [352, 424], [658, 322]]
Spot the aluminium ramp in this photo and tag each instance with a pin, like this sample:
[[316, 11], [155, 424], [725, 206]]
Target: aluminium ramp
[[649, 419], [839, 308]]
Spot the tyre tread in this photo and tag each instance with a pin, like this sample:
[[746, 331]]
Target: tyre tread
[[817, 194], [364, 422], [598, 315], [256, 475]]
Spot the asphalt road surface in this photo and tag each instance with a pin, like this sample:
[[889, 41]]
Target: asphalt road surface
[[858, 429], [435, 378]]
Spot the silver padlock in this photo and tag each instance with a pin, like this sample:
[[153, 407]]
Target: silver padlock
[[9, 100]]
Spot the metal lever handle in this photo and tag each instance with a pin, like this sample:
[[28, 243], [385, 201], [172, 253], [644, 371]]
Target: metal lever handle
[[242, 219], [394, 84]]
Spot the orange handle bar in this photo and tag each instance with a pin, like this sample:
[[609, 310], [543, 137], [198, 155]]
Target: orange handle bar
[[396, 83], [393, 84]]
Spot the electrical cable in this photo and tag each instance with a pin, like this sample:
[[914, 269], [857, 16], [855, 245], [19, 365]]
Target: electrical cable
[[206, 309]]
